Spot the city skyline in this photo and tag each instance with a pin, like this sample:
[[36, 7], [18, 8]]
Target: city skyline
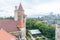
[[31, 7]]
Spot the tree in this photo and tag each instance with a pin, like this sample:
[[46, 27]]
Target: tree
[[47, 30], [30, 23], [9, 17]]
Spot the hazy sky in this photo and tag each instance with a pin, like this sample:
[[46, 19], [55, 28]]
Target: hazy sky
[[31, 7]]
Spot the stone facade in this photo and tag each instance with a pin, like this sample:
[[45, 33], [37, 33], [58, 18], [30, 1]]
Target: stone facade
[[57, 32], [21, 24]]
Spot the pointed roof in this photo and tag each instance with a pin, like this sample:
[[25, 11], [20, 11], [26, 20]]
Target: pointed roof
[[20, 7], [4, 35]]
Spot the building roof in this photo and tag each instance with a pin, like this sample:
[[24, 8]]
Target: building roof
[[20, 7], [5, 35], [34, 31], [8, 25]]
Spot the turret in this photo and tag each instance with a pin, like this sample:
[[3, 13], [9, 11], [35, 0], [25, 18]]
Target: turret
[[20, 17]]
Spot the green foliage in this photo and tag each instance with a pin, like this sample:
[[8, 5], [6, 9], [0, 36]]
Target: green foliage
[[30, 23], [47, 30], [27, 34], [1, 18], [9, 17], [40, 39]]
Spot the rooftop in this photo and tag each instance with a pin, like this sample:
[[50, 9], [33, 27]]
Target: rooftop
[[4, 35], [8, 25], [35, 31]]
